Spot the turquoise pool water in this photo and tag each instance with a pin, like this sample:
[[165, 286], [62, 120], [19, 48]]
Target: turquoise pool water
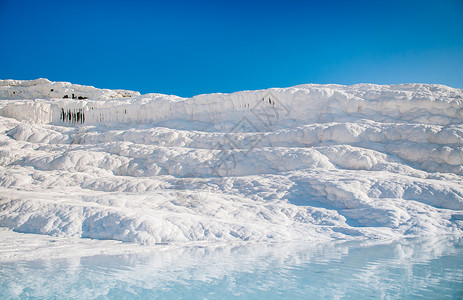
[[406, 269]]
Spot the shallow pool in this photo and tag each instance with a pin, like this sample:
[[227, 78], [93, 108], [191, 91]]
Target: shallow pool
[[405, 269]]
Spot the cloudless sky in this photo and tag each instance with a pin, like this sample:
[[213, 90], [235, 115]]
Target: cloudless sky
[[193, 47]]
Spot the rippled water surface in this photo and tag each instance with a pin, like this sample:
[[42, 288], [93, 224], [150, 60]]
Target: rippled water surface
[[405, 269]]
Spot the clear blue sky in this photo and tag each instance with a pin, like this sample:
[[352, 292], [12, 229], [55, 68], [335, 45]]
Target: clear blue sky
[[193, 47]]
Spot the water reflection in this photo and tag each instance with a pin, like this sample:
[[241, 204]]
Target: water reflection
[[406, 269]]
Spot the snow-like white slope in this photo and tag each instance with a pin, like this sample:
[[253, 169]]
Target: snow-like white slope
[[310, 162]]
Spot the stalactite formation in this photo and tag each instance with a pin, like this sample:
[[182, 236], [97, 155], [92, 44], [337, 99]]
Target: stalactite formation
[[74, 116]]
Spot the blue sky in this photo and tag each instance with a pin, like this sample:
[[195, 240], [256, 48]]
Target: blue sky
[[193, 47]]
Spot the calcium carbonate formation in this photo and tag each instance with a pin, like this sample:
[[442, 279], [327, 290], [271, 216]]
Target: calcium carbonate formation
[[309, 162]]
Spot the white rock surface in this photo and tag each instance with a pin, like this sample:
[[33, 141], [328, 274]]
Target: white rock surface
[[310, 162]]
